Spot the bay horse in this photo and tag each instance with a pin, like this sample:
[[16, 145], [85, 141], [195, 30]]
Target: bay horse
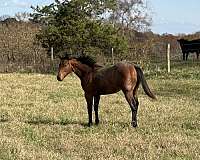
[[97, 80]]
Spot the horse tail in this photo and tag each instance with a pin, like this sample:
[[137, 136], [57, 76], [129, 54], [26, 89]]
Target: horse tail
[[141, 78]]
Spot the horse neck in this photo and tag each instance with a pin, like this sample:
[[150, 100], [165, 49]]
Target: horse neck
[[82, 70]]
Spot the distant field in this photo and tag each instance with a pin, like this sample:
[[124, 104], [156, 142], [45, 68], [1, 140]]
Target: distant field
[[43, 119]]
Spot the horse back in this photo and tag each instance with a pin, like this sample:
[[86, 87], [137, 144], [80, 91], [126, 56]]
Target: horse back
[[115, 78]]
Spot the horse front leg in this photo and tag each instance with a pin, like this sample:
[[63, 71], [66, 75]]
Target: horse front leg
[[187, 54], [184, 56], [96, 106], [197, 55], [89, 100]]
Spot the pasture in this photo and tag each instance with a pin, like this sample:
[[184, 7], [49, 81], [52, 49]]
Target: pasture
[[41, 118]]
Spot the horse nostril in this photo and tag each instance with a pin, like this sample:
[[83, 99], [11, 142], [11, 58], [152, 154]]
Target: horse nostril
[[58, 78]]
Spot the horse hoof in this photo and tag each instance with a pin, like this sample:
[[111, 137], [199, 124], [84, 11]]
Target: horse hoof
[[97, 122], [134, 124], [89, 124]]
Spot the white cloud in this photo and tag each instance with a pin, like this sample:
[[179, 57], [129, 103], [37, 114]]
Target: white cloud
[[21, 4], [5, 4], [15, 3]]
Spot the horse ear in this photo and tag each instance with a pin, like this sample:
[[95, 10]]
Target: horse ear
[[66, 56], [59, 57]]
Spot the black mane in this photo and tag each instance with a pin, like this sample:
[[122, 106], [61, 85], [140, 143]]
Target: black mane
[[88, 60]]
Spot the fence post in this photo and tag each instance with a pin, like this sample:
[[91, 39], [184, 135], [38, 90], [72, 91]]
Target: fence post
[[112, 56], [168, 58], [52, 53]]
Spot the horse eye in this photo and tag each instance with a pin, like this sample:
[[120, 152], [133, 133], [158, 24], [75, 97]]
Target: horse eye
[[66, 64]]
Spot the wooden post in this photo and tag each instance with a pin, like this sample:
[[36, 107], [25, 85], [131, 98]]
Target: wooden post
[[168, 58], [112, 56], [52, 53]]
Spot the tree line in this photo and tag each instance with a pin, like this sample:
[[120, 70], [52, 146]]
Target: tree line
[[81, 27], [90, 27]]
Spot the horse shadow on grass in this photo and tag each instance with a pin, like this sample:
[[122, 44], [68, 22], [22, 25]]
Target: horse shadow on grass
[[4, 117], [66, 122], [62, 121], [50, 121], [3, 120]]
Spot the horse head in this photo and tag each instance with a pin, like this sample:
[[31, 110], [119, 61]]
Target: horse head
[[65, 67]]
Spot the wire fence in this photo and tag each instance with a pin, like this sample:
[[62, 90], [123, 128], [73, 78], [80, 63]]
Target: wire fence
[[154, 58]]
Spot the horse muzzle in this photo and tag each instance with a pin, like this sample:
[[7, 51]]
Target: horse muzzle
[[58, 78]]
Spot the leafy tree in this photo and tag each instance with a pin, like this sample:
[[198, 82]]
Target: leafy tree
[[4, 17], [78, 26], [131, 14], [22, 16]]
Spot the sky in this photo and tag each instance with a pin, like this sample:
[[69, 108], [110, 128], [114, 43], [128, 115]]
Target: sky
[[175, 16], [10, 7], [169, 16]]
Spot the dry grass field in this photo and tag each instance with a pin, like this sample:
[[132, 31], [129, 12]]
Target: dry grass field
[[43, 119]]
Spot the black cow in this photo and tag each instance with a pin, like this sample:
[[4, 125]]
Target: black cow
[[189, 47]]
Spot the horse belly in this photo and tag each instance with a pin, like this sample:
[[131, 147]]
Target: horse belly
[[108, 91], [108, 81], [108, 88]]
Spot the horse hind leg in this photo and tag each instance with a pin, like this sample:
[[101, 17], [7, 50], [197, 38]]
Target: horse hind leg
[[135, 98], [133, 103], [134, 110]]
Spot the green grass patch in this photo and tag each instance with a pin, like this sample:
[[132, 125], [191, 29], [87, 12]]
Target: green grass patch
[[41, 118]]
